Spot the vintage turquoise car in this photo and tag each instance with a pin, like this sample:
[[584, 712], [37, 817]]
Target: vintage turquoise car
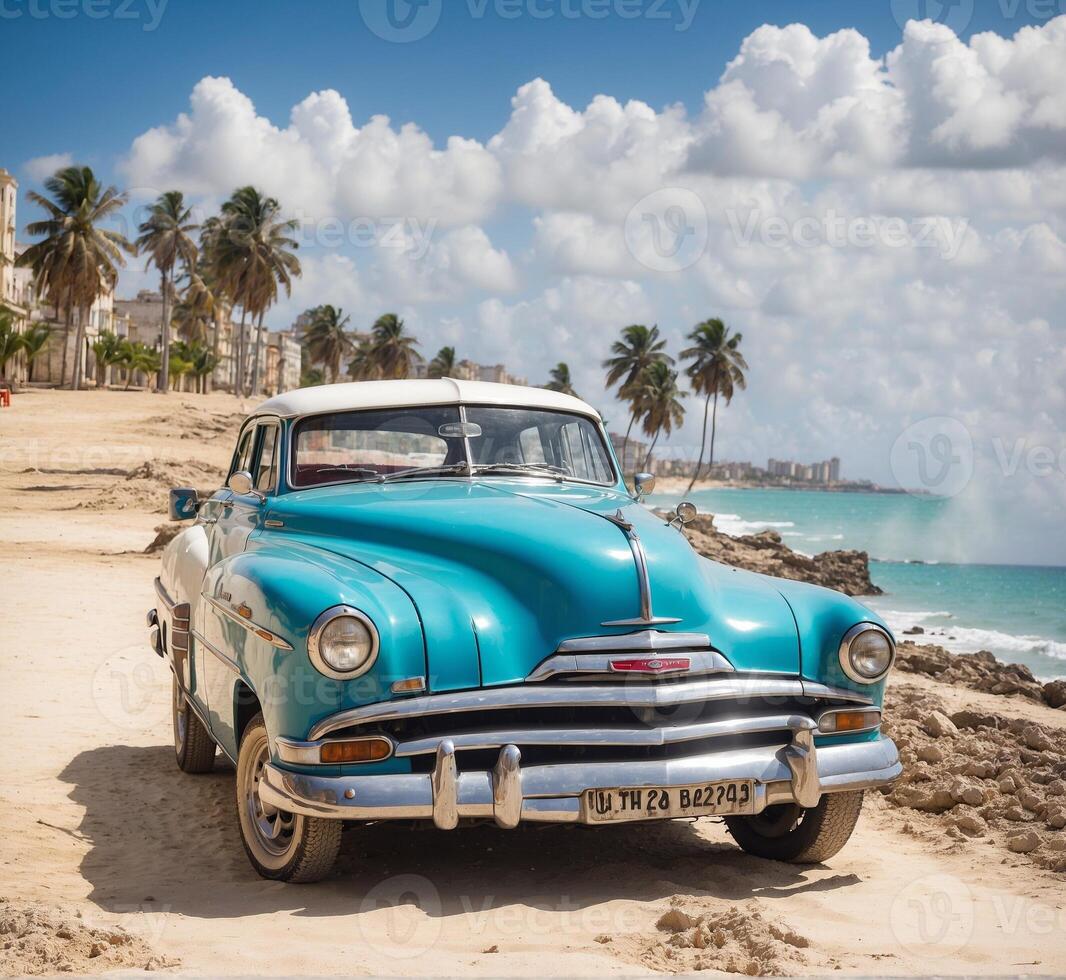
[[437, 600]]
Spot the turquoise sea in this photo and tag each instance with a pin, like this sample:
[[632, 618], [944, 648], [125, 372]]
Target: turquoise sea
[[1018, 612]]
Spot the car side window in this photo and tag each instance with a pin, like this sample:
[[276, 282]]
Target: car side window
[[266, 468], [242, 458]]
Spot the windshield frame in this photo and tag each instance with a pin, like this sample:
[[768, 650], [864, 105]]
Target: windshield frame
[[461, 407]]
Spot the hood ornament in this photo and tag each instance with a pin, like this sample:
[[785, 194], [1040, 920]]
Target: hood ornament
[[640, 559]]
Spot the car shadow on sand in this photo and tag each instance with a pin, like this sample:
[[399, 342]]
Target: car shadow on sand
[[161, 840]]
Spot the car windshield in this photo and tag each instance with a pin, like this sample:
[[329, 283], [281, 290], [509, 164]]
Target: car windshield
[[436, 441]]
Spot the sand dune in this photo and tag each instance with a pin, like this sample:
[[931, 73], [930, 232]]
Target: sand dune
[[101, 830]]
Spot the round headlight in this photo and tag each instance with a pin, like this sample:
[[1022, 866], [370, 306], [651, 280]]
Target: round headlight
[[866, 653], [343, 643]]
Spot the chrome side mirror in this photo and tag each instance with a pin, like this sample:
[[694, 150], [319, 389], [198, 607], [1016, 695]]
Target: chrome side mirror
[[241, 483], [684, 514], [184, 503], [645, 484]]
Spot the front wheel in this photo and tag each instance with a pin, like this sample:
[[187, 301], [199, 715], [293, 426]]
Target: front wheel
[[787, 832], [194, 749], [282, 846]]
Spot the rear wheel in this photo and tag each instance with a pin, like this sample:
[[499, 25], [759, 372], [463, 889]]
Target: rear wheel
[[194, 748], [787, 832], [282, 846]]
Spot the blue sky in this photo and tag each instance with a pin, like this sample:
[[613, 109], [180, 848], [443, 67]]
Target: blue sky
[[456, 80], [869, 191]]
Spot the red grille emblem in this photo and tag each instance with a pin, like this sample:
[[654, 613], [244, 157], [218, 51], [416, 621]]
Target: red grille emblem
[[651, 665]]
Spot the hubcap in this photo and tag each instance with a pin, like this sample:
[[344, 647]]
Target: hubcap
[[273, 828]]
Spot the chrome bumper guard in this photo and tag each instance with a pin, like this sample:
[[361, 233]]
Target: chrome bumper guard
[[509, 794]]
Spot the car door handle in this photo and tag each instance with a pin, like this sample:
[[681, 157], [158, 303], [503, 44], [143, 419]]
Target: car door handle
[[209, 520]]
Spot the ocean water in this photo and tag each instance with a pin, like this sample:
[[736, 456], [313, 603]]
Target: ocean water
[[1018, 612]]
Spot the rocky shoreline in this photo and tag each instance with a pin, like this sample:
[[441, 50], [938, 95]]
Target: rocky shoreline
[[765, 552]]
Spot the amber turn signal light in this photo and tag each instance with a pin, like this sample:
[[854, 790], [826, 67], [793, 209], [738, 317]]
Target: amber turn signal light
[[849, 721], [372, 749]]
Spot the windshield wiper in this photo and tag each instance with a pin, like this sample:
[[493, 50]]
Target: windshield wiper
[[546, 469], [423, 471]]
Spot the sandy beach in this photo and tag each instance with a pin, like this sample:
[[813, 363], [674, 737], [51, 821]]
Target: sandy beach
[[112, 858]]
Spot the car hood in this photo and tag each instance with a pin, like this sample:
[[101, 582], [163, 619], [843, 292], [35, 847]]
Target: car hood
[[503, 571]]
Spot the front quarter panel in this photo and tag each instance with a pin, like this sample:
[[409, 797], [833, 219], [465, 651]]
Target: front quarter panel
[[822, 618], [286, 589]]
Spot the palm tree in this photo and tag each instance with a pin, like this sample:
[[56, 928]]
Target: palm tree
[[76, 261], [393, 352], [147, 360], [34, 341], [253, 257], [328, 343], [364, 364], [106, 349], [167, 237], [717, 368], [182, 359], [659, 403], [203, 363], [10, 341], [443, 365], [637, 350], [560, 380], [204, 290]]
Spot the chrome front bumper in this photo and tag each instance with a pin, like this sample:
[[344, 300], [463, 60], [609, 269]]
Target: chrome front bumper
[[510, 794]]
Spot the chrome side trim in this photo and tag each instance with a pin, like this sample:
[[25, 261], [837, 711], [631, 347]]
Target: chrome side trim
[[699, 662], [606, 736], [509, 793], [733, 686], [649, 641], [219, 655], [252, 627]]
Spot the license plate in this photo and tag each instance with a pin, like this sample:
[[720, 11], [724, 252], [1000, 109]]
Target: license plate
[[728, 797]]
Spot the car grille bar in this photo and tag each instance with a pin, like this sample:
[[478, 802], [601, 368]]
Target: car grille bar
[[634, 696]]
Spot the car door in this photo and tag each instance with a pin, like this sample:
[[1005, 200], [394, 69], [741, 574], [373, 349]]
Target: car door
[[239, 516]]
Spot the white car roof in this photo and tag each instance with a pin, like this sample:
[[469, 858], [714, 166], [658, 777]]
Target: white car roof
[[401, 394]]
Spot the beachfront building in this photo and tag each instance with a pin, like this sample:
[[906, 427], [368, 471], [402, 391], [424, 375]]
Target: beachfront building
[[467, 370], [282, 371], [144, 316], [16, 285], [825, 472], [635, 452]]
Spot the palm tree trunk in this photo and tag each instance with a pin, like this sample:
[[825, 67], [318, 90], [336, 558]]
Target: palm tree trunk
[[714, 425], [66, 345], [79, 353], [238, 380], [703, 442], [255, 357], [625, 442], [214, 348], [164, 373], [651, 448]]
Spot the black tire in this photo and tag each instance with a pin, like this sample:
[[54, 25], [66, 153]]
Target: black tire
[[787, 832], [281, 846], [194, 748]]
